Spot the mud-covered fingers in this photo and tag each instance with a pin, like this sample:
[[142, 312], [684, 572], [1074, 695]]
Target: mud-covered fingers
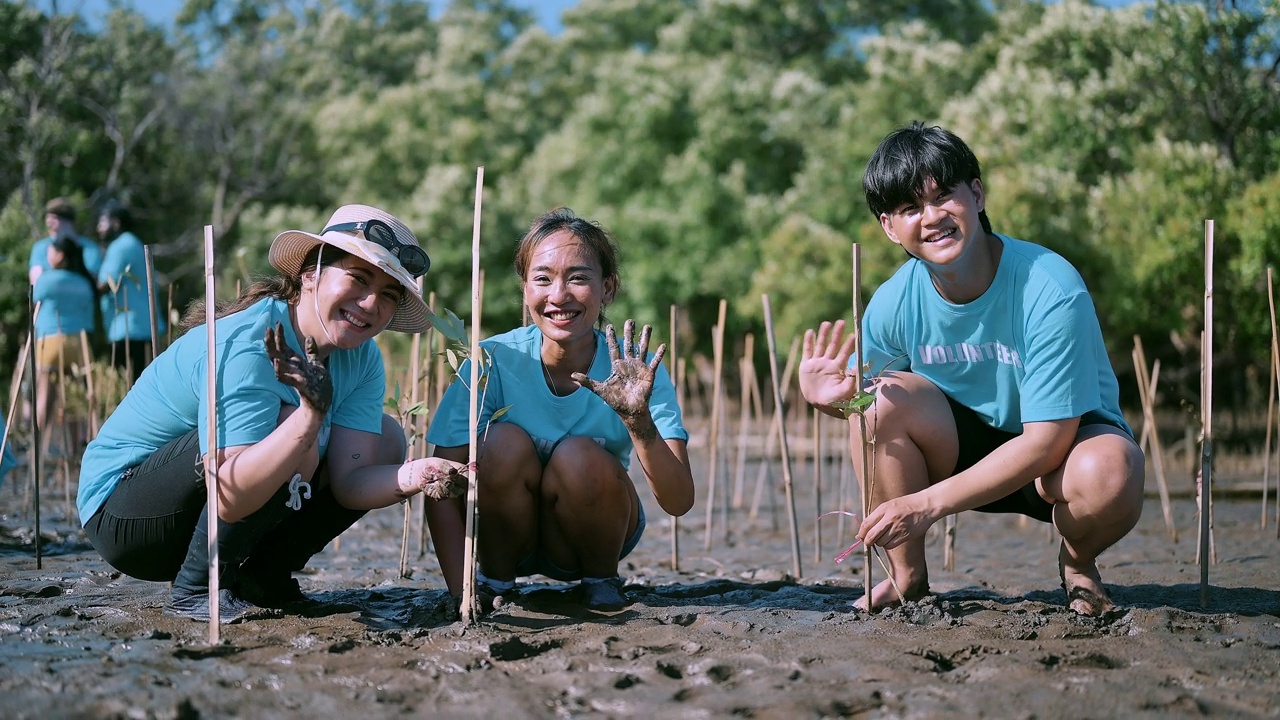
[[611, 339], [646, 333], [657, 356], [584, 381], [313, 355], [628, 338]]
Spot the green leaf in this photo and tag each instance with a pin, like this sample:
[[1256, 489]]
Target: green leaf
[[499, 413]]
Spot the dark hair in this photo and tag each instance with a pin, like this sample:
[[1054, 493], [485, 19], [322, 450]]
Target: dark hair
[[591, 233], [284, 287], [119, 213], [908, 158], [73, 260]]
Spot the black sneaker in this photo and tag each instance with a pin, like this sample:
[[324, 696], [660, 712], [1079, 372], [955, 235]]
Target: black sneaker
[[195, 606], [604, 594], [271, 590]]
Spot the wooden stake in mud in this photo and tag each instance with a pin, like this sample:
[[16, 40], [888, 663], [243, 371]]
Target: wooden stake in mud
[[673, 358], [91, 398], [470, 605], [782, 438], [211, 459], [771, 440], [744, 418], [432, 400], [415, 346], [35, 428], [864, 474], [151, 303], [1147, 396], [713, 438], [1206, 416], [1271, 403], [817, 485], [949, 542]]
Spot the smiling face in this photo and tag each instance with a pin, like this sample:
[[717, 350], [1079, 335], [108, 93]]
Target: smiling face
[[354, 300], [941, 225], [565, 289]]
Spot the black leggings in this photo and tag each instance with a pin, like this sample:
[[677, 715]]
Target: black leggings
[[144, 528]]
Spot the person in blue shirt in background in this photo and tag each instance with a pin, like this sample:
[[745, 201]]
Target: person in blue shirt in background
[[122, 280], [60, 221], [555, 496], [304, 448], [66, 294]]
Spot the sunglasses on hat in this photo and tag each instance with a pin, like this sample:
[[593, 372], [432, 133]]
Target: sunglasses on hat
[[412, 258]]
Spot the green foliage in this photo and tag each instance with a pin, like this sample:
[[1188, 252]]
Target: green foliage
[[721, 142]]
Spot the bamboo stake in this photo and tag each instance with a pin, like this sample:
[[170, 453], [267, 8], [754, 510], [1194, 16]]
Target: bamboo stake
[[770, 441], [1271, 402], [35, 429], [866, 482], [91, 398], [151, 303], [1206, 417], [713, 439], [782, 439], [949, 542], [470, 605], [415, 346], [744, 419], [64, 467], [424, 532], [168, 317], [211, 459], [1146, 395], [817, 486], [673, 359], [13, 397]]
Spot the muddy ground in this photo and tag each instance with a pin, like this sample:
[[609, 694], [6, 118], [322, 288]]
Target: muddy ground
[[732, 633]]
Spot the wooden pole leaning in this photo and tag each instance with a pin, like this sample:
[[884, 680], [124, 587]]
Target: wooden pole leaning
[[151, 302], [673, 358], [1146, 395], [432, 400], [211, 458], [713, 433], [782, 439], [470, 605], [13, 398], [1206, 417], [771, 440], [1271, 402]]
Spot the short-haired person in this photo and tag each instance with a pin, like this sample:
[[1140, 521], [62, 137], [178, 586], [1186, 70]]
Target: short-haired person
[[555, 497], [60, 221], [304, 449], [122, 280], [993, 389]]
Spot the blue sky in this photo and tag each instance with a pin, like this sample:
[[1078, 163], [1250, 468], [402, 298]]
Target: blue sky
[[163, 11]]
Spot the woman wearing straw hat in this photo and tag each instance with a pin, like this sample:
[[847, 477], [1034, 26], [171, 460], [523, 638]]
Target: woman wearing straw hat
[[303, 445], [555, 497]]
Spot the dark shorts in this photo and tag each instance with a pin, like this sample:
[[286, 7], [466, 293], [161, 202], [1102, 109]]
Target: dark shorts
[[978, 439], [540, 564]]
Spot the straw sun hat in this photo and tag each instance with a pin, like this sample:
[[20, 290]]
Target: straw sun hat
[[291, 246]]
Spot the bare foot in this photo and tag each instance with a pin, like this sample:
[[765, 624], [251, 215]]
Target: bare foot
[[1085, 594], [885, 595]]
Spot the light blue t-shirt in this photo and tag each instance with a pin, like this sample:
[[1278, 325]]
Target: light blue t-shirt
[[88, 248], [168, 400], [66, 303], [515, 380], [1029, 349], [127, 311]]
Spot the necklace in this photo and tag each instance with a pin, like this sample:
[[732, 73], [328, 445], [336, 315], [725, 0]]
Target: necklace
[[555, 389]]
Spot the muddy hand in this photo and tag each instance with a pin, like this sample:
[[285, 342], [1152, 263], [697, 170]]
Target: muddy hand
[[437, 478], [630, 383], [306, 374]]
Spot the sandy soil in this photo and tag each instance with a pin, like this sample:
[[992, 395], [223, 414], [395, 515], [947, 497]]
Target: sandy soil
[[731, 634]]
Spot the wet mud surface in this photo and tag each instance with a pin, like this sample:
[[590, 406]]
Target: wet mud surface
[[731, 634]]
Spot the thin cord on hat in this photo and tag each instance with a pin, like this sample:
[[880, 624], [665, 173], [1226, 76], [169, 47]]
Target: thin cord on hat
[[315, 299]]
